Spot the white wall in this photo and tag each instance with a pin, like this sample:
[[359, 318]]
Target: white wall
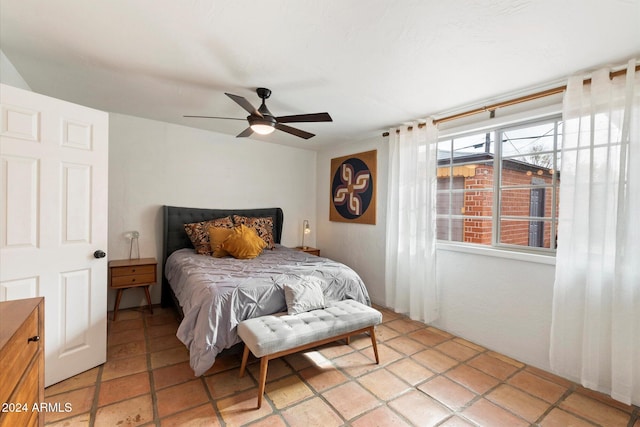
[[154, 163], [503, 304]]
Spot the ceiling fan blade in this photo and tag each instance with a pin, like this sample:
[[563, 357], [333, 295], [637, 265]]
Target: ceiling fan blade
[[299, 118], [242, 101], [294, 131], [214, 117], [247, 132]]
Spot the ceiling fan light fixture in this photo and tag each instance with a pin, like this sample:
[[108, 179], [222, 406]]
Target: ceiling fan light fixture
[[262, 125], [263, 128]]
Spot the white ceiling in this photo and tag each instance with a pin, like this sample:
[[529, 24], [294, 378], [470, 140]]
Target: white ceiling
[[371, 64]]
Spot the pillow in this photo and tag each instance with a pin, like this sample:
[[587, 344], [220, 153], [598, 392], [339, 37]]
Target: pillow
[[263, 226], [217, 235], [198, 232], [303, 296], [243, 243]]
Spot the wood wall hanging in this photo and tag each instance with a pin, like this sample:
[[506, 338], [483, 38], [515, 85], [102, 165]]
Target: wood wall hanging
[[353, 188]]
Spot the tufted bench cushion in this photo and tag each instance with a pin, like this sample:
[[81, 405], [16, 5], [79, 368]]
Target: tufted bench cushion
[[272, 336]]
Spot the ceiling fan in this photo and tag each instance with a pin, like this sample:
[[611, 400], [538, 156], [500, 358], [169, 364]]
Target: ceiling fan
[[263, 122]]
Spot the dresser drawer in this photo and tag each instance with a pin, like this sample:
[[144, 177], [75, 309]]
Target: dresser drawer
[[136, 279], [26, 394], [133, 269], [17, 354]]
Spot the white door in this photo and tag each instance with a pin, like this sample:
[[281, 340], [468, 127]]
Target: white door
[[53, 218]]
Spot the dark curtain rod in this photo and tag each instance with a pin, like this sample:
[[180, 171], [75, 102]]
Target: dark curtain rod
[[526, 98]]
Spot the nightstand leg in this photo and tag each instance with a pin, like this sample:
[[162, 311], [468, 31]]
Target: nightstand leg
[[146, 291], [115, 310]]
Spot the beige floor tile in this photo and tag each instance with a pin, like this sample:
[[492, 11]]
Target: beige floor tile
[[537, 386], [405, 345], [520, 403], [162, 330], [404, 325], [122, 325], [351, 399], [162, 319], [227, 383], [125, 336], [595, 411], [385, 333], [607, 400], [123, 388], [383, 384], [241, 409], [84, 379], [492, 366], [170, 356], [487, 414], [420, 409], [123, 367], [456, 421], [448, 392], [127, 349], [355, 364], [277, 369], [506, 359], [322, 379], [549, 376], [270, 421], [335, 349], [201, 416], [130, 412], [180, 397], [559, 418], [225, 363], [360, 341], [428, 337], [301, 360], [80, 401], [474, 380], [287, 391], [82, 420], [164, 342], [386, 354], [312, 412], [434, 360], [469, 344], [172, 375], [380, 417], [410, 371], [456, 350]]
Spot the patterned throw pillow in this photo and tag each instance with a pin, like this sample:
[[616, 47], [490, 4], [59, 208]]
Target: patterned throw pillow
[[263, 226], [198, 232]]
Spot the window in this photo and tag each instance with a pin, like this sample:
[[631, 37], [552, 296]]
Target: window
[[499, 187]]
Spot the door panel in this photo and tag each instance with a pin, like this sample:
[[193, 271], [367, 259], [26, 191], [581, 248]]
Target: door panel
[[54, 158]]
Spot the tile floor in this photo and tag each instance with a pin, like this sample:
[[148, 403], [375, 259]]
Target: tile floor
[[426, 377]]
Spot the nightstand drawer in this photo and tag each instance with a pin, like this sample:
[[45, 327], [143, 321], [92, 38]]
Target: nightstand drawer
[[134, 269], [133, 280]]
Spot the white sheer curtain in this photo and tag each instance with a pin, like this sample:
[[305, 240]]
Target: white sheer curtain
[[411, 222], [595, 330]]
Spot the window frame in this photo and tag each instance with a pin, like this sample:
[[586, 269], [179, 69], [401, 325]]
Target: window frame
[[497, 131]]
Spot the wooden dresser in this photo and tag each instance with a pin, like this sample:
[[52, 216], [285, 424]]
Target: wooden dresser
[[22, 362]]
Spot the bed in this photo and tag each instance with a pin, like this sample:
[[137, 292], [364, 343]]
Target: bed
[[213, 295]]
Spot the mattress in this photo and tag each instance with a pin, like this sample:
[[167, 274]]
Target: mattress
[[216, 294]]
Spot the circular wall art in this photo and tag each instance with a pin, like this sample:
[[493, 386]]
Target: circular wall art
[[353, 188]]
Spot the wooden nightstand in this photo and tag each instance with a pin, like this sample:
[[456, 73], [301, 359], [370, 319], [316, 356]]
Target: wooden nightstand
[[309, 250], [132, 273]]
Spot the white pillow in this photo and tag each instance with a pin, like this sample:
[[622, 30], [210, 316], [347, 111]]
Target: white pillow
[[305, 295]]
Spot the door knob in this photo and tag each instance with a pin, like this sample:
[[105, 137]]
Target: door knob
[[99, 254]]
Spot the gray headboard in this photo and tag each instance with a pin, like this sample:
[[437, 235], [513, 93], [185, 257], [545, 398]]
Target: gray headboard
[[174, 236]]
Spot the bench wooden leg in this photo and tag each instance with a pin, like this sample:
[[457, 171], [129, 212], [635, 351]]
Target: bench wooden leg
[[245, 356], [372, 332], [264, 364]]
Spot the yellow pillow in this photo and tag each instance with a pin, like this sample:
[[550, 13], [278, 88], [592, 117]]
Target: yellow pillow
[[244, 243], [217, 235]]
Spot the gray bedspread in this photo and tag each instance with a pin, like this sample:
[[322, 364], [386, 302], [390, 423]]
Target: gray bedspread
[[218, 293]]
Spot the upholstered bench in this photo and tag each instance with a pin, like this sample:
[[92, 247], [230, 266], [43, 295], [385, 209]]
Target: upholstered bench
[[273, 336]]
